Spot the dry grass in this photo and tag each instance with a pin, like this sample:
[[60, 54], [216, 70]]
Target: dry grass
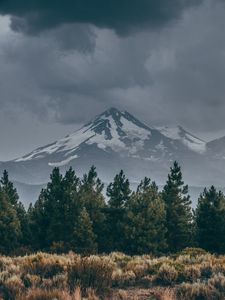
[[187, 276]]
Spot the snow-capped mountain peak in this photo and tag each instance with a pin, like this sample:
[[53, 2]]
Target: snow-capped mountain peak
[[117, 140], [179, 133], [112, 130], [117, 136]]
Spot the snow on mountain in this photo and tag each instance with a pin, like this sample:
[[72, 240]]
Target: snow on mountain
[[117, 140], [118, 132], [113, 130], [178, 133], [217, 148], [63, 162]]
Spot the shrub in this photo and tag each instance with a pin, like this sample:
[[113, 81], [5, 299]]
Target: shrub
[[90, 272], [167, 275], [153, 268], [31, 280], [138, 265], [154, 265], [5, 262], [122, 295], [218, 282], [123, 279], [165, 294], [120, 259], [60, 281], [186, 259], [196, 291], [147, 281], [206, 270], [191, 274], [91, 295], [218, 268], [203, 275], [40, 294], [43, 265], [11, 288], [192, 251]]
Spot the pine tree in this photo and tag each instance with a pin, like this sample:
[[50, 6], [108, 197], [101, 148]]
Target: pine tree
[[71, 204], [178, 211], [145, 222], [53, 207], [119, 194], [46, 216], [10, 231], [84, 239], [119, 191], [10, 191], [92, 199], [53, 216], [91, 191], [39, 222], [24, 224], [210, 221]]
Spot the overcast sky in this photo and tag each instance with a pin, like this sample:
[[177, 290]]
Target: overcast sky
[[62, 62]]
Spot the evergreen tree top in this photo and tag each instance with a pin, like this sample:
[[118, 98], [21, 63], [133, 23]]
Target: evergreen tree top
[[119, 191], [175, 183], [92, 181], [8, 188], [211, 197]]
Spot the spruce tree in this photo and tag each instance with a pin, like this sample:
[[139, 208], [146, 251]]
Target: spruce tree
[[210, 221], [84, 239], [92, 199], [145, 222], [119, 194], [10, 191], [119, 191], [53, 207], [24, 224], [178, 211], [10, 231], [71, 204], [54, 215], [39, 222]]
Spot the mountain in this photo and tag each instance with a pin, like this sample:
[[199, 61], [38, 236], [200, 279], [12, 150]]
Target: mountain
[[117, 140], [117, 132], [217, 148], [186, 138]]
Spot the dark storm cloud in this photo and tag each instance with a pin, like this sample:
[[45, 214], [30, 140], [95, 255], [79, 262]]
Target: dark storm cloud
[[72, 71], [121, 15], [179, 69]]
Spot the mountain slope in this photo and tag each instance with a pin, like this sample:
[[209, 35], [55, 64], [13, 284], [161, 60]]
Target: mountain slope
[[178, 133], [111, 131], [118, 132], [216, 148], [115, 140]]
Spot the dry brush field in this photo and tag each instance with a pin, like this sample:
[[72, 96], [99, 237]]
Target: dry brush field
[[189, 275]]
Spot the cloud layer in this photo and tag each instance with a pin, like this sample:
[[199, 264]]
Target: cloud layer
[[121, 15], [72, 70]]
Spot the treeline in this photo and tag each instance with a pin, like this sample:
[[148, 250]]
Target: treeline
[[71, 213]]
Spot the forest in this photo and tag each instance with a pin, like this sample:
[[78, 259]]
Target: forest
[[75, 244], [72, 214]]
